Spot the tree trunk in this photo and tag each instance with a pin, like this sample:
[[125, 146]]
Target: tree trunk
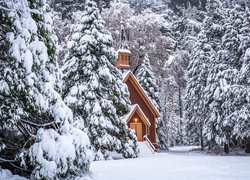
[[247, 150], [226, 148], [201, 139], [181, 113]]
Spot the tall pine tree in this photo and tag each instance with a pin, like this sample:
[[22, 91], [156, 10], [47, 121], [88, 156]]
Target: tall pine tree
[[93, 87], [147, 80], [32, 112], [196, 108], [235, 42], [213, 26], [200, 117]]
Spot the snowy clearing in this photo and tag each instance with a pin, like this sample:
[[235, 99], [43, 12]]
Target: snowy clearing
[[173, 165]]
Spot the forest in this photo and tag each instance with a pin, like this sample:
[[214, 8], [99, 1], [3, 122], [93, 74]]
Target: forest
[[62, 100]]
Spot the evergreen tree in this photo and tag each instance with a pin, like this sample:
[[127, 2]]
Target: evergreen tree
[[172, 119], [147, 80], [213, 26], [34, 119], [200, 115], [226, 94], [235, 105], [243, 123], [196, 109], [93, 87]]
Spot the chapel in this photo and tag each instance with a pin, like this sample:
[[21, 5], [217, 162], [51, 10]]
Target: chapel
[[143, 114]]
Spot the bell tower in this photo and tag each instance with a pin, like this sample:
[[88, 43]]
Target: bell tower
[[123, 61]]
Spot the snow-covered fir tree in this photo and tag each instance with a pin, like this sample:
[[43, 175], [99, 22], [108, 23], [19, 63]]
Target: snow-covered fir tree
[[196, 108], [169, 124], [242, 128], [230, 100], [213, 32], [37, 139], [218, 98], [197, 114], [93, 87], [148, 81]]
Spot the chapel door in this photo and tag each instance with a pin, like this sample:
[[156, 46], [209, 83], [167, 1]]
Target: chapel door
[[137, 127]]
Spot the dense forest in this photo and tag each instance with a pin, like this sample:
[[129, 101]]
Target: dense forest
[[170, 34], [60, 90]]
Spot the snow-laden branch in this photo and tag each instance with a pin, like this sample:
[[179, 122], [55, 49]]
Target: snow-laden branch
[[35, 11], [7, 160], [37, 125], [28, 132], [6, 9]]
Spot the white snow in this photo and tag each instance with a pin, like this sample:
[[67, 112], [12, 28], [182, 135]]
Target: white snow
[[170, 60], [145, 148], [174, 166], [7, 175], [183, 148], [124, 51]]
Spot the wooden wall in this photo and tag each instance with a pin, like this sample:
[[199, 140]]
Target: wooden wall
[[135, 98]]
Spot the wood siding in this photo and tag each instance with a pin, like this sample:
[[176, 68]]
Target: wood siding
[[123, 61], [135, 98]]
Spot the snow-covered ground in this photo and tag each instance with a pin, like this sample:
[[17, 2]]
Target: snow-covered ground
[[7, 175], [176, 165], [183, 148]]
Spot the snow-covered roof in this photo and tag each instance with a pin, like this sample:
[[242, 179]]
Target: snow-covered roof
[[124, 65], [125, 75], [124, 51], [132, 111]]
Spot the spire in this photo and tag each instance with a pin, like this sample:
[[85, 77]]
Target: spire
[[123, 37], [123, 61]]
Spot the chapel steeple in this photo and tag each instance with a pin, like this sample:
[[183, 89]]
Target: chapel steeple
[[123, 61]]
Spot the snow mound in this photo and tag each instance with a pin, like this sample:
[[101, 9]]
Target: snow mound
[[183, 148], [6, 174]]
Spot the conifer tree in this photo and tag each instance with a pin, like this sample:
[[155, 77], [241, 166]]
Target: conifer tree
[[243, 123], [213, 26], [196, 109], [171, 119], [147, 80], [235, 43], [34, 121], [225, 95], [200, 88], [93, 87]]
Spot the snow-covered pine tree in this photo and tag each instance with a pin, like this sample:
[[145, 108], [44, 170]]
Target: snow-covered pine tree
[[243, 123], [226, 94], [236, 109], [213, 28], [36, 137], [148, 81], [93, 87], [195, 108], [213, 23], [169, 125]]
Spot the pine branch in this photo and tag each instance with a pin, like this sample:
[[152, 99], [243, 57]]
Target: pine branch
[[37, 125], [6, 9], [7, 160], [24, 130]]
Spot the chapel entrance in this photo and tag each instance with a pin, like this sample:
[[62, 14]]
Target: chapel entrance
[[137, 127]]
